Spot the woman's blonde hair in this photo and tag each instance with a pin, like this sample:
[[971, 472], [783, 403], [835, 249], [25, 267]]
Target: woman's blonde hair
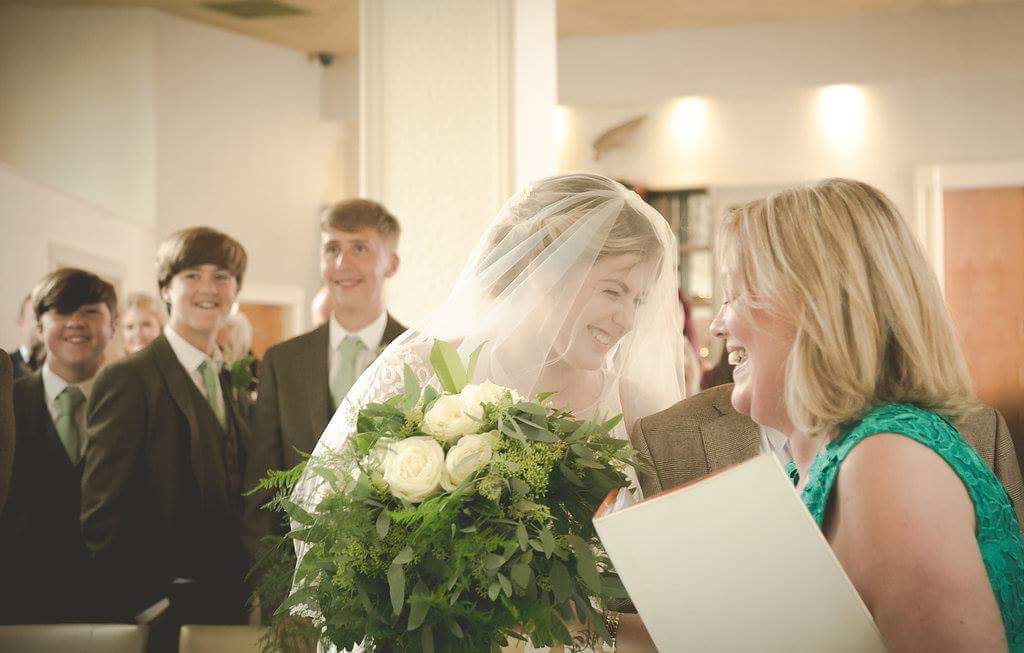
[[146, 302], [837, 260]]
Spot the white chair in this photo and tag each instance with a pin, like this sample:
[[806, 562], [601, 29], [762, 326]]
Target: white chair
[[220, 639], [80, 638]]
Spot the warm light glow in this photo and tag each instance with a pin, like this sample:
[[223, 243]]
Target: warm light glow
[[841, 111], [689, 118], [560, 122]]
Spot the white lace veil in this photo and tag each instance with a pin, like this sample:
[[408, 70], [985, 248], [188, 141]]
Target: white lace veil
[[525, 294]]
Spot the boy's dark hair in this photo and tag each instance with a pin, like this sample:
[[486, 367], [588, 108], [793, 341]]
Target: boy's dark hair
[[195, 246], [355, 214], [67, 289]]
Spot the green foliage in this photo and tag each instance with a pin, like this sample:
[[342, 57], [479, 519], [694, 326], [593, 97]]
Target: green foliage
[[512, 548]]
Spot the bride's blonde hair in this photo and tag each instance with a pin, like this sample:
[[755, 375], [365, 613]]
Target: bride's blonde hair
[[545, 210], [837, 260]]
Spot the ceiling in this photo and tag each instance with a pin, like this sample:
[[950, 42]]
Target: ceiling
[[331, 25]]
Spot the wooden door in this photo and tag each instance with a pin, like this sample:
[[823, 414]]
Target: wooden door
[[267, 326], [984, 252]]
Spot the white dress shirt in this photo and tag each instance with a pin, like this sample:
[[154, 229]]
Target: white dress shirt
[[371, 335], [777, 443], [191, 358], [53, 385]]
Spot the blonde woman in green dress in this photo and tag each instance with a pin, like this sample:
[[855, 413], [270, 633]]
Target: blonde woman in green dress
[[842, 341]]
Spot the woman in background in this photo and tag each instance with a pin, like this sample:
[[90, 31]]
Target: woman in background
[[142, 319]]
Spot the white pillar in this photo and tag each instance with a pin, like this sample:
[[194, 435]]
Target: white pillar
[[457, 101]]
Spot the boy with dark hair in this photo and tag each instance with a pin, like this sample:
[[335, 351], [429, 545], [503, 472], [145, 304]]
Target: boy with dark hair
[[161, 492], [304, 379], [41, 547]]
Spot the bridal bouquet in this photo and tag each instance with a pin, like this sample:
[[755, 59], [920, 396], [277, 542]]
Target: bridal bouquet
[[457, 519]]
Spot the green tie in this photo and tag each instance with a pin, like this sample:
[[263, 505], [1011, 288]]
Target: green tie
[[67, 428], [346, 374], [209, 373]]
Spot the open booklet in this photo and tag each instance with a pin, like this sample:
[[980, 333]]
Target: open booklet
[[734, 562]]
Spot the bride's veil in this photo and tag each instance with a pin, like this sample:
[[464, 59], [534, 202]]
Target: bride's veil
[[521, 295]]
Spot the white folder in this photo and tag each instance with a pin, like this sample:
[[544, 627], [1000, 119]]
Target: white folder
[[735, 562]]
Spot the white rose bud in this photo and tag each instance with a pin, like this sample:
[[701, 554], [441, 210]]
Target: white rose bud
[[472, 453], [414, 468], [447, 419], [475, 396], [374, 461]]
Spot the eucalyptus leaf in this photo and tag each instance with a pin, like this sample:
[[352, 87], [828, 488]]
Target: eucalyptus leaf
[[404, 556], [473, 360], [547, 541], [418, 608], [521, 574], [383, 524], [523, 537], [444, 358], [570, 475], [561, 584], [612, 423], [493, 590], [396, 587], [591, 463], [493, 562], [506, 584], [412, 388], [532, 408], [582, 450], [453, 625], [427, 639]]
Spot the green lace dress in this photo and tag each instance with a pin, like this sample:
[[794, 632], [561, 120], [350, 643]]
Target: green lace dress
[[998, 533]]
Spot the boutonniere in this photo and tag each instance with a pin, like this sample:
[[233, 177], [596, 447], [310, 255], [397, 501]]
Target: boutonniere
[[241, 372]]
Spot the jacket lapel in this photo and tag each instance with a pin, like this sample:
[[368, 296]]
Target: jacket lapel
[[177, 380], [392, 329], [316, 371], [729, 439]]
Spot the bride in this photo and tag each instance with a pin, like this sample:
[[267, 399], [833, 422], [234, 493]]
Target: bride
[[571, 290]]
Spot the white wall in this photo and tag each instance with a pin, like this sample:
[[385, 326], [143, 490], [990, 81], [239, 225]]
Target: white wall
[[42, 226], [241, 146], [166, 123], [944, 86], [768, 56], [76, 103]]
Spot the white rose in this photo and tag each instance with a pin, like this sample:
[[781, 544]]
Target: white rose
[[447, 419], [414, 467], [475, 396], [471, 453]]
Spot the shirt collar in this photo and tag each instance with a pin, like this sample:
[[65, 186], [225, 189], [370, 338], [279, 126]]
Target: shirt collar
[[53, 384], [26, 353], [777, 442], [371, 334], [190, 356]]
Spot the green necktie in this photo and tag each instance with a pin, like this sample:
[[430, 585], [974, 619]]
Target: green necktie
[[209, 373], [67, 428], [346, 373]]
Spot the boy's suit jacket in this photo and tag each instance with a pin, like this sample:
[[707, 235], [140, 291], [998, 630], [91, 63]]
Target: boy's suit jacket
[[293, 408], [161, 487], [21, 366], [704, 433], [7, 424], [42, 557]]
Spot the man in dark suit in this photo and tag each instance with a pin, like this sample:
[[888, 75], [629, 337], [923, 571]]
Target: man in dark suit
[[43, 557], [25, 357], [304, 379], [161, 491]]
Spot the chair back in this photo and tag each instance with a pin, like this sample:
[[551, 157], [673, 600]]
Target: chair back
[[81, 638], [220, 639]]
